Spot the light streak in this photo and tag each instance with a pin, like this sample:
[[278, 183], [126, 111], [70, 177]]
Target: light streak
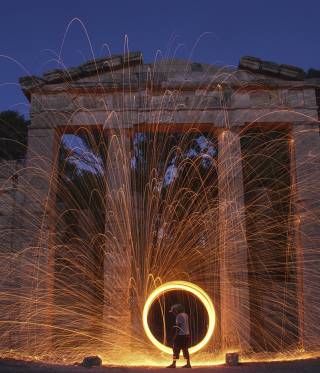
[[188, 287], [128, 209]]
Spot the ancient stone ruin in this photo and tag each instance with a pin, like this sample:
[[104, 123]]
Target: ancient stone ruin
[[260, 240]]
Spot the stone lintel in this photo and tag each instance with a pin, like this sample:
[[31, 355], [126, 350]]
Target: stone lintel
[[130, 118], [52, 109], [119, 84]]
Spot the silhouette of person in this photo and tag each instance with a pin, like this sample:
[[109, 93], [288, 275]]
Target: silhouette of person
[[181, 339]]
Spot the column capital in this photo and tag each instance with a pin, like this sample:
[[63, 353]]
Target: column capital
[[224, 130]]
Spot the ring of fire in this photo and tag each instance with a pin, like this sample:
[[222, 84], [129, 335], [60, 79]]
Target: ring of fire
[[191, 288]]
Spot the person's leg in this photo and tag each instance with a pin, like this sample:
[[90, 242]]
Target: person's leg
[[187, 357], [185, 351], [176, 353]]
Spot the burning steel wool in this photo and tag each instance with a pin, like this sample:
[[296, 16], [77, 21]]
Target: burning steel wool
[[145, 185], [186, 287]]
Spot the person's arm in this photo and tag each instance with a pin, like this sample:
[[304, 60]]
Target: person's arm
[[175, 332], [176, 327]]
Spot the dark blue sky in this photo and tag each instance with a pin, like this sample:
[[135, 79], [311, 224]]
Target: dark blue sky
[[31, 31]]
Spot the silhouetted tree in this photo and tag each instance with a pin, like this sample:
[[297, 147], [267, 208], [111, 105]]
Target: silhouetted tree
[[13, 135]]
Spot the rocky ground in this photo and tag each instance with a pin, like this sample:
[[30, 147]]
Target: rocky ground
[[299, 366]]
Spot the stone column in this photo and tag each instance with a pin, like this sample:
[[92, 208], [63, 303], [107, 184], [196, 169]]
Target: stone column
[[117, 250], [234, 289], [37, 222], [305, 146]]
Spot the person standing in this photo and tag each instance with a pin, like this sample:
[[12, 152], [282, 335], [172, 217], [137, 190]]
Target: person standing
[[181, 339]]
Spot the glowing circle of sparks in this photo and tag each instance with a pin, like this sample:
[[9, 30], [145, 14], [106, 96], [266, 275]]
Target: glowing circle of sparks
[[188, 287]]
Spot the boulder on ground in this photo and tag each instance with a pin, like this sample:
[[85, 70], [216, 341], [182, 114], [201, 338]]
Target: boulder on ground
[[232, 359], [91, 361]]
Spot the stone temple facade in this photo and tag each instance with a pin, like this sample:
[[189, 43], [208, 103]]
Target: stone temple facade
[[120, 93]]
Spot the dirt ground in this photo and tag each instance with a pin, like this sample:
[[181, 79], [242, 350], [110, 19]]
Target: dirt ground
[[299, 366]]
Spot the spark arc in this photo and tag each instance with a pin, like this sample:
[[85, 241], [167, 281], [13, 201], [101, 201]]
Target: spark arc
[[188, 287]]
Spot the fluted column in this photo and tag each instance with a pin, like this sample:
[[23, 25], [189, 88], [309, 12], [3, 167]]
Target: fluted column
[[305, 147], [234, 290]]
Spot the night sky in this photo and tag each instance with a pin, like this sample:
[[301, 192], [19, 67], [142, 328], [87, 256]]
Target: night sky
[[217, 32]]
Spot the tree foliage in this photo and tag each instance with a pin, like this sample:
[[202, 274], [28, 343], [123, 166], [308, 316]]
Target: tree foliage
[[13, 135]]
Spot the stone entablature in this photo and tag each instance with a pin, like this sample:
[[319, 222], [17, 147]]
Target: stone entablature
[[175, 100], [121, 91]]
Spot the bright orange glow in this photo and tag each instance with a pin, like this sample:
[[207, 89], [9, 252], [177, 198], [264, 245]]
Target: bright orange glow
[[191, 288]]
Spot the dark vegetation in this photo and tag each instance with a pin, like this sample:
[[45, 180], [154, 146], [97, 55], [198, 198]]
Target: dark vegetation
[[13, 135]]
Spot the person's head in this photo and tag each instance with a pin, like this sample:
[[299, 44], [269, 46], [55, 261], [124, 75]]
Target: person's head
[[177, 308]]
